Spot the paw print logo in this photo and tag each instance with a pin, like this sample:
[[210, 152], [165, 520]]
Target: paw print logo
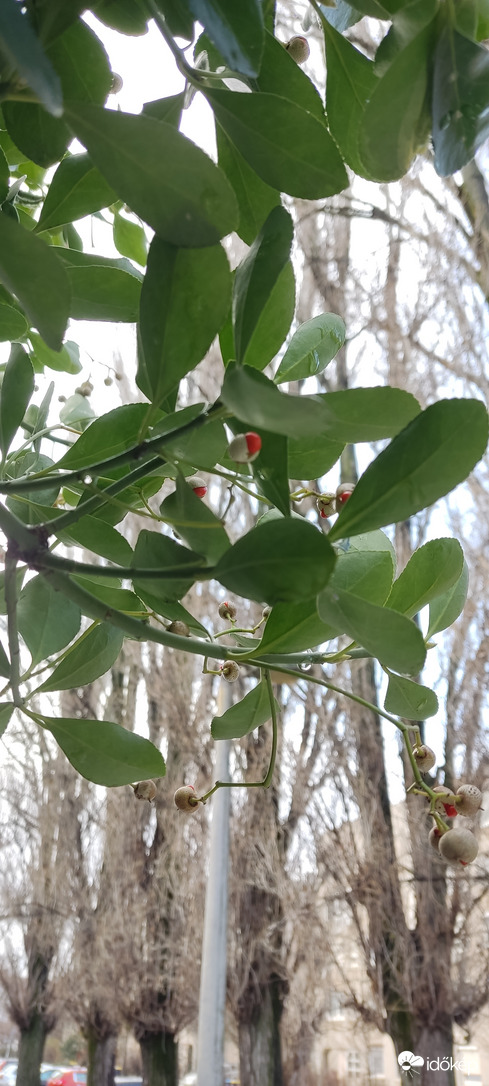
[[408, 1062]]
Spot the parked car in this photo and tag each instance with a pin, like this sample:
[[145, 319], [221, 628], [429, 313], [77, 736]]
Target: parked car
[[75, 1076], [48, 1070]]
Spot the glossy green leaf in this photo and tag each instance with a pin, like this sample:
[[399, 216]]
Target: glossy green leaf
[[163, 177], [310, 458], [274, 321], [130, 239], [22, 48], [434, 453], [77, 189], [166, 109], [103, 294], [311, 348], [235, 29], [82, 65], [13, 324], [77, 412], [66, 360], [431, 571], [4, 663], [366, 573], [342, 16], [119, 599], [155, 551], [270, 471], [47, 620], [394, 639], [280, 74], [31, 270], [105, 753], [93, 535], [390, 128], [251, 712], [280, 561], [446, 609], [361, 414], [255, 198], [290, 149], [409, 699], [294, 627], [460, 100], [16, 391], [257, 274], [184, 301], [195, 522], [90, 657], [6, 710], [199, 448], [350, 80], [110, 435], [4, 176], [178, 18], [127, 16]]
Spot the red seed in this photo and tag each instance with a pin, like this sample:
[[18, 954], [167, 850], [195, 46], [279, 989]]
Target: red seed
[[253, 442]]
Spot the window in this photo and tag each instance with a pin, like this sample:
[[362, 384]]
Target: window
[[354, 1063], [376, 1060], [336, 1005]]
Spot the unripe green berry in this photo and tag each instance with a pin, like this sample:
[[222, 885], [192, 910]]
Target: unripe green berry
[[185, 799], [145, 790], [116, 84], [230, 671], [424, 757], [470, 801], [298, 48], [179, 628], [85, 389], [458, 846], [227, 610], [107, 381]]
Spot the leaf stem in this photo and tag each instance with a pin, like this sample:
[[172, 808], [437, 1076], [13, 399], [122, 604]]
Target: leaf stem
[[265, 783], [13, 633]]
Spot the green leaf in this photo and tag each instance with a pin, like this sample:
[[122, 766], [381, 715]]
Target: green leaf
[[252, 712], [390, 128], [13, 324], [82, 65], [274, 321], [342, 16], [394, 639], [280, 74], [22, 49], [184, 301], [409, 699], [103, 294], [6, 710], [195, 522], [4, 176], [91, 656], [460, 100], [294, 627], [77, 412], [368, 572], [160, 552], [431, 571], [255, 198], [311, 348], [280, 561], [93, 535], [32, 271], [350, 80], [429, 458], [16, 391], [166, 109], [289, 148], [4, 663], [48, 621], [446, 609], [130, 239], [257, 274], [109, 435], [105, 753], [177, 17], [360, 414], [163, 177], [66, 360], [270, 471], [310, 458], [235, 29], [199, 448], [127, 16], [77, 189]]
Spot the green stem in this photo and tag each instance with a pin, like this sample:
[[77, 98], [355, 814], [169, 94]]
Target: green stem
[[267, 780], [102, 497], [13, 633], [87, 569], [189, 73]]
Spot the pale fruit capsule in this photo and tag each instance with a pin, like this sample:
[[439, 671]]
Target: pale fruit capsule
[[470, 801], [198, 486], [179, 628], [298, 48], [343, 492], [326, 505], [244, 447], [444, 806], [185, 799], [227, 610], [459, 846], [434, 837], [145, 790], [424, 757], [230, 671]]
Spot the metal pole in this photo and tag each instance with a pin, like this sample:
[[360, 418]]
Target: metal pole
[[212, 1000]]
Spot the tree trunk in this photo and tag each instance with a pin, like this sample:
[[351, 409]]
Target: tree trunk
[[260, 1054], [101, 1059], [31, 1048], [436, 1047], [159, 1058]]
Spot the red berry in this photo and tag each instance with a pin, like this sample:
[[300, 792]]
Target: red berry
[[198, 486], [244, 447]]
